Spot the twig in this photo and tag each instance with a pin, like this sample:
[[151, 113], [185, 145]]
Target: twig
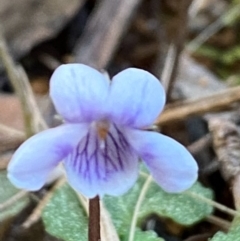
[[225, 225], [103, 31], [213, 203], [205, 35], [169, 72], [210, 168], [4, 160], [137, 207], [200, 144], [194, 8], [13, 199], [226, 144], [84, 202], [108, 230], [185, 109], [49, 61], [212, 29], [36, 214], [169, 66], [236, 191], [10, 138], [32, 117]]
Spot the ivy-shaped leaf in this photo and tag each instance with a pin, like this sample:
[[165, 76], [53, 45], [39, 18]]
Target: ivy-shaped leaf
[[64, 217], [7, 190], [146, 236], [180, 207]]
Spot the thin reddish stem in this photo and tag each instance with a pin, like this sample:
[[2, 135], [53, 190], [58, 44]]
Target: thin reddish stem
[[94, 220]]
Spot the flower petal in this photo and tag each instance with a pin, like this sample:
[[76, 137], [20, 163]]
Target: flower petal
[[79, 92], [37, 157], [170, 164], [136, 98], [102, 166]]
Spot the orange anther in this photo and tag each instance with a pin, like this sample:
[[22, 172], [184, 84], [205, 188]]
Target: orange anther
[[102, 129]]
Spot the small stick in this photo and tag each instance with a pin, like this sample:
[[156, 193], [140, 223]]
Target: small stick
[[225, 225], [194, 8], [10, 138], [49, 61], [13, 199], [32, 116], [185, 109], [213, 203], [84, 202], [169, 66], [103, 32], [226, 144], [4, 160], [236, 191], [94, 220], [138, 206], [36, 214], [108, 230], [212, 29], [200, 144]]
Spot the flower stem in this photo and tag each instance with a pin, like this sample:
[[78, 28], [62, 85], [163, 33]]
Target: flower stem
[[94, 220]]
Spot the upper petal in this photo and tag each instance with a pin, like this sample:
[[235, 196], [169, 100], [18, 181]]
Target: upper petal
[[136, 98], [79, 92], [99, 167], [169, 162], [36, 157]]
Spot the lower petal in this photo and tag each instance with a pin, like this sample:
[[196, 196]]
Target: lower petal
[[99, 167], [39, 155], [169, 162]]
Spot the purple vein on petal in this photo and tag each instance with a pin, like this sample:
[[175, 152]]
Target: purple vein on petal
[[117, 150], [121, 138], [96, 154], [103, 164], [93, 161], [107, 159]]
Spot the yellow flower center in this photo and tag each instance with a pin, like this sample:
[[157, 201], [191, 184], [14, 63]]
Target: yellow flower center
[[102, 129]]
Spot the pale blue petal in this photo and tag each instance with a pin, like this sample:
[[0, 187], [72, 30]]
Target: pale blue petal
[[169, 162], [99, 167], [40, 154], [79, 92], [136, 98]]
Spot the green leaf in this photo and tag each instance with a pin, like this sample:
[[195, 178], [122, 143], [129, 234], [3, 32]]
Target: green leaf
[[232, 235], [7, 190], [180, 207], [146, 236], [64, 217]]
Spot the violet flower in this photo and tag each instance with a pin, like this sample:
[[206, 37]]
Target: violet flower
[[103, 136]]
